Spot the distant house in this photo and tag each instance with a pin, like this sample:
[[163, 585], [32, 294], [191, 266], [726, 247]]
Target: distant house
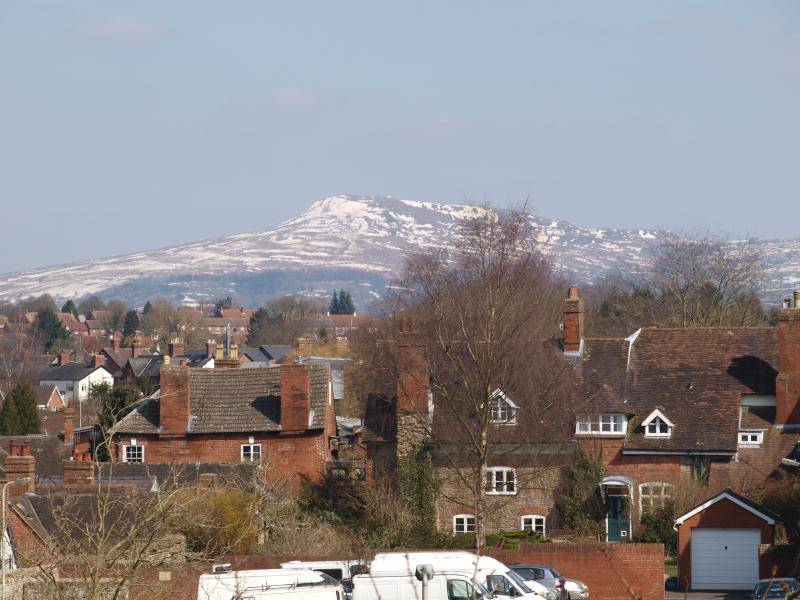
[[73, 380], [236, 313], [49, 398]]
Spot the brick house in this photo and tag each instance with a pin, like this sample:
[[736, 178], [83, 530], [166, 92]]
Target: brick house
[[664, 410], [283, 415]]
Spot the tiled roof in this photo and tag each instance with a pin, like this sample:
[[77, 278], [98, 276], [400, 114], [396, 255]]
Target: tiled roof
[[234, 400], [68, 372], [698, 376]]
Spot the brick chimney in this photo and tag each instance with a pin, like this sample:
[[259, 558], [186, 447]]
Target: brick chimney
[[787, 385], [573, 321], [98, 360], [115, 344], [64, 358], [69, 426], [78, 472], [413, 380], [295, 397], [174, 401], [211, 348], [176, 348], [19, 463]]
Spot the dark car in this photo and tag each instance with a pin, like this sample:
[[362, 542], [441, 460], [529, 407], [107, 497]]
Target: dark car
[[775, 588]]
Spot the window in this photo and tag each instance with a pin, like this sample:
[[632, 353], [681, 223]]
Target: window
[[70, 387], [750, 439], [701, 468], [503, 410], [654, 496], [133, 453], [605, 424], [464, 524], [657, 428], [501, 480], [459, 589], [251, 453], [500, 585], [534, 523]]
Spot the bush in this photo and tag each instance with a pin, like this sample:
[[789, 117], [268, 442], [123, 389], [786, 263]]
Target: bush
[[656, 528], [220, 522], [581, 505]]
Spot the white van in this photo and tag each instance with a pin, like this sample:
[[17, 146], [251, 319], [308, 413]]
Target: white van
[[487, 571], [399, 586], [268, 584], [338, 569]]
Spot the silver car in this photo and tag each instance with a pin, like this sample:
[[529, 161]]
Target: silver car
[[561, 587]]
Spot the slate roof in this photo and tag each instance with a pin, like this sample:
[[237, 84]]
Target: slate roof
[[146, 365], [68, 372], [233, 401]]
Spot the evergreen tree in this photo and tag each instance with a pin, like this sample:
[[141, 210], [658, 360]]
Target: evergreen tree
[[334, 307], [131, 324], [226, 302], [148, 308], [259, 326], [346, 306], [50, 328], [69, 307], [19, 415]]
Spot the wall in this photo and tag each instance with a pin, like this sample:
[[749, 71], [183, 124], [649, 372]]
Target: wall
[[609, 570], [536, 495], [302, 454], [722, 515]]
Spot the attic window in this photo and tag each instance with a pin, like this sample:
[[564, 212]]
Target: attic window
[[503, 409], [751, 439], [605, 424], [657, 425]]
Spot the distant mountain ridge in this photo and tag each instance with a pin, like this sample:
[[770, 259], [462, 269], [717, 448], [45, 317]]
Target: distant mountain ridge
[[356, 242]]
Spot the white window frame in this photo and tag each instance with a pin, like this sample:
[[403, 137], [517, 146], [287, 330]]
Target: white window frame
[[663, 485], [491, 476], [657, 418], [125, 458], [535, 520], [499, 398], [750, 433], [465, 528], [251, 446], [585, 423]]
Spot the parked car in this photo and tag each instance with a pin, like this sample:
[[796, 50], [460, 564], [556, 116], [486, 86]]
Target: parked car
[[487, 571], [562, 587], [774, 588], [267, 584]]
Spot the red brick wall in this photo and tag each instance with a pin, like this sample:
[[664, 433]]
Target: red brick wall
[[573, 321], [722, 515], [413, 377], [610, 570], [788, 383], [301, 454]]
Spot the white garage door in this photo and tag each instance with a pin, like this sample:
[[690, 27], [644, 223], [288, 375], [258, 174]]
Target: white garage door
[[725, 559]]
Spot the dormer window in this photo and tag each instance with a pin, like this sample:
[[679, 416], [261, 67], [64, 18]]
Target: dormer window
[[657, 425], [605, 424], [503, 410]]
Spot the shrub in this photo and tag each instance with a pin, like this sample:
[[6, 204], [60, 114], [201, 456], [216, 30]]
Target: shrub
[[656, 528]]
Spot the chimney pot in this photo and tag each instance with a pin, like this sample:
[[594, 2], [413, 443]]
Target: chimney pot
[[26, 449]]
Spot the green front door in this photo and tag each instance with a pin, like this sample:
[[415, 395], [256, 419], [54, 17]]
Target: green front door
[[617, 519]]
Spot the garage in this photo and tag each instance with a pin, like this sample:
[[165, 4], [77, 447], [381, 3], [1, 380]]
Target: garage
[[725, 559], [719, 543]]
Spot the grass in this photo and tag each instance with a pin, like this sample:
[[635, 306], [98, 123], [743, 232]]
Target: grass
[[671, 567]]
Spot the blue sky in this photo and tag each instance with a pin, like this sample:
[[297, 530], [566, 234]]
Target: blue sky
[[133, 125]]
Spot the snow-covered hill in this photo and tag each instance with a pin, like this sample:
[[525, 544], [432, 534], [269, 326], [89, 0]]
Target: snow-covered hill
[[343, 241]]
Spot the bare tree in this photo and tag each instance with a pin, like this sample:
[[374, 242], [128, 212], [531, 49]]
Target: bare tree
[[482, 313], [700, 281]]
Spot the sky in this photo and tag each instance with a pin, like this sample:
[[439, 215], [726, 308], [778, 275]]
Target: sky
[[129, 126]]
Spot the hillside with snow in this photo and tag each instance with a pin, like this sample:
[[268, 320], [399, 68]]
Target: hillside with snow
[[354, 242]]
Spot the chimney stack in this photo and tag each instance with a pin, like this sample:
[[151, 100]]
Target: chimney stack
[[19, 464], [138, 348], [211, 347], [573, 321], [295, 398], [98, 360], [174, 400], [115, 344], [78, 472], [69, 426], [64, 358], [413, 380], [176, 348], [787, 385]]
